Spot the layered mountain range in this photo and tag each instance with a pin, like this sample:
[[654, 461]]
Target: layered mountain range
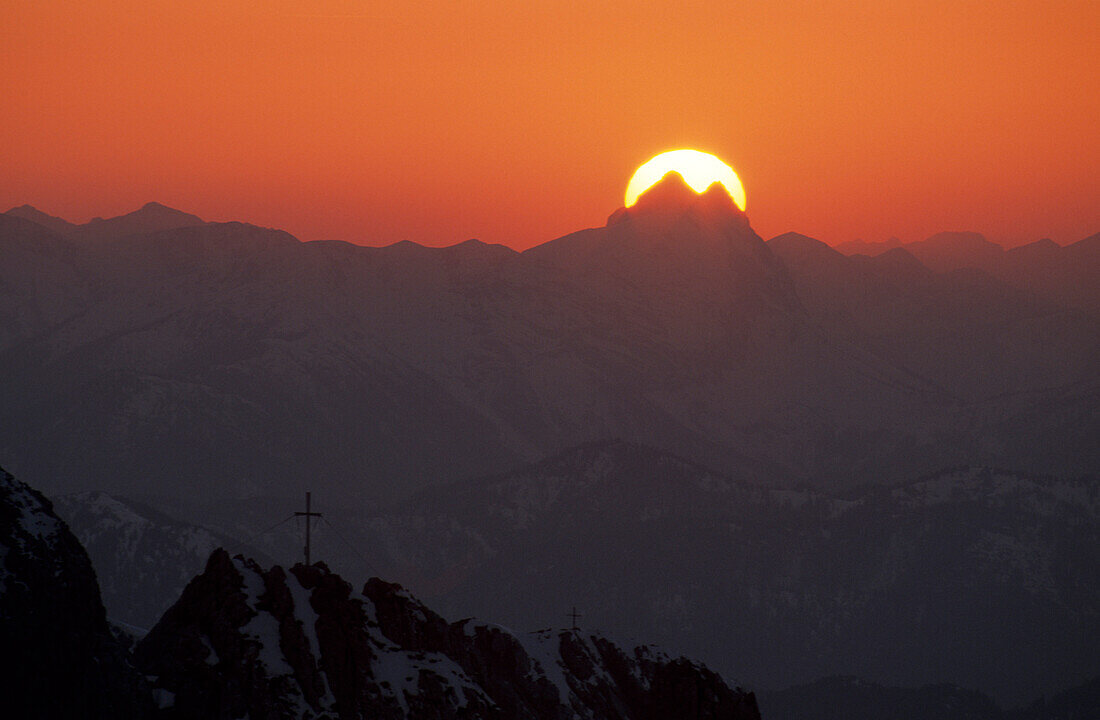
[[773, 455], [1063, 274], [156, 353]]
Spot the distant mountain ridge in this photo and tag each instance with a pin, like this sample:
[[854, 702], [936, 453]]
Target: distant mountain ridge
[[1066, 274], [389, 369], [149, 218], [50, 222]]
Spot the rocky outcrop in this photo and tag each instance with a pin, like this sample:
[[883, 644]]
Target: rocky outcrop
[[276, 644], [61, 659]]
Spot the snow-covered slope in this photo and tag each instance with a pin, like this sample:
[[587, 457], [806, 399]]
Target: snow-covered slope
[[245, 641]]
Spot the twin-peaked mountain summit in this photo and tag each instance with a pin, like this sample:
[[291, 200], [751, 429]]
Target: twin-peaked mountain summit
[[697, 245], [151, 217]]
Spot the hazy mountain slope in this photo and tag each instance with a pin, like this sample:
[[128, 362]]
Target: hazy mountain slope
[[911, 319], [1065, 274], [142, 558], [270, 643], [151, 217], [983, 578], [44, 280], [942, 252], [246, 344]]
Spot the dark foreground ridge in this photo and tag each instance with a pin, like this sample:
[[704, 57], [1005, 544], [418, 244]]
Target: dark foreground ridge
[[244, 641], [60, 658]]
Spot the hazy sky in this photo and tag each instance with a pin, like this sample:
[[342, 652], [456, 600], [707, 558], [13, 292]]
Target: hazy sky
[[517, 122]]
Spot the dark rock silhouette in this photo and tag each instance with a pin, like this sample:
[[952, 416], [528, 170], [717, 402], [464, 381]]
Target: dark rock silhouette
[[273, 644], [60, 657], [1081, 701]]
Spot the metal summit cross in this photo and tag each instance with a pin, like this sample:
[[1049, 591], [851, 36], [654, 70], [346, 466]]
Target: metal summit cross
[[309, 521]]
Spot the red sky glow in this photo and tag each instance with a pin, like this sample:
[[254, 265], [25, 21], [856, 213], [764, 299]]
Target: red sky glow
[[519, 122]]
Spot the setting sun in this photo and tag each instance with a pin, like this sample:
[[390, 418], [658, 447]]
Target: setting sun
[[699, 169]]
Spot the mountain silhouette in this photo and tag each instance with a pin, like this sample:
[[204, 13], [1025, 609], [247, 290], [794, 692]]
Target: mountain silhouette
[[151, 217], [55, 224], [1065, 275], [948, 251], [697, 245], [385, 370], [941, 252]]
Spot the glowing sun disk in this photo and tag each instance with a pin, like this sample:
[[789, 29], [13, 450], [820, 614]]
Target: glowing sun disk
[[699, 170]]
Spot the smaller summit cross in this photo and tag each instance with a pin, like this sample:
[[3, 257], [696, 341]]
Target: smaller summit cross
[[309, 521]]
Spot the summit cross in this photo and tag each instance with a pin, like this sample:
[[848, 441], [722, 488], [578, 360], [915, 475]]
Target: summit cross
[[574, 615], [309, 521]]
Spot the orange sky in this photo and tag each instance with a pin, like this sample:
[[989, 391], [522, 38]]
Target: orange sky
[[517, 122]]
